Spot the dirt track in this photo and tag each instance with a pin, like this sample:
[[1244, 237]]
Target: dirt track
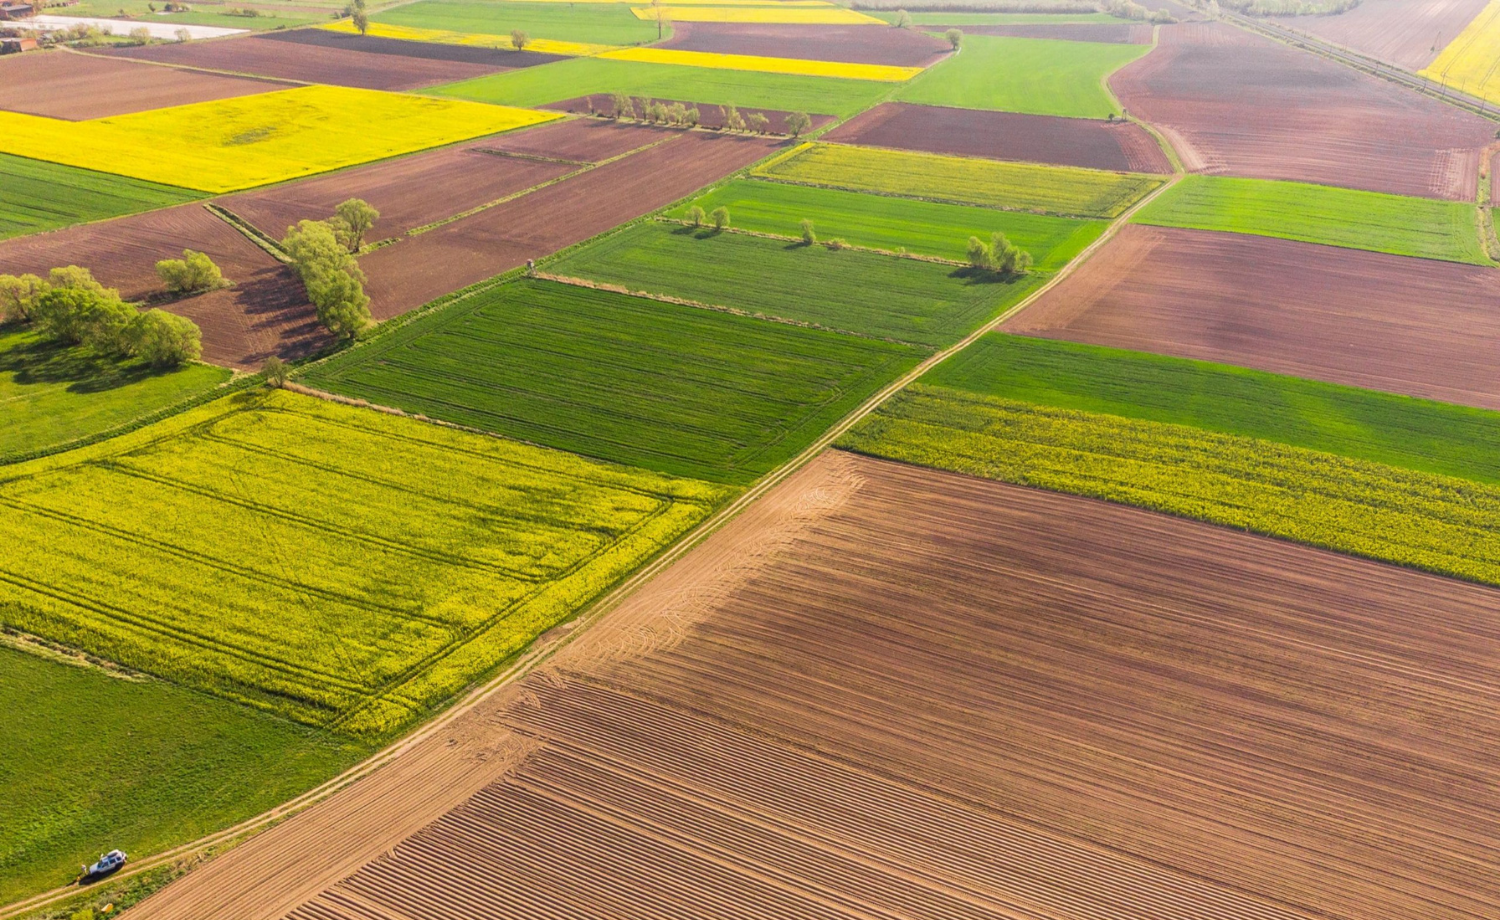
[[1084, 142], [710, 116], [1237, 104], [858, 44], [1413, 326], [1119, 714], [60, 84], [1118, 33], [1408, 33]]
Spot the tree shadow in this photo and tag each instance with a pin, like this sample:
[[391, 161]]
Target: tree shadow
[[971, 275], [42, 362]]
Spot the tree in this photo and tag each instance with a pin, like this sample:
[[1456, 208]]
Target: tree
[[351, 220], [18, 297], [719, 217], [903, 20], [519, 39], [999, 256], [361, 21], [733, 120], [797, 123], [276, 372], [695, 216], [183, 35], [659, 13], [808, 237], [140, 35], [164, 339], [334, 281], [75, 277], [955, 38], [690, 117], [758, 122], [624, 105], [980, 255], [190, 274]]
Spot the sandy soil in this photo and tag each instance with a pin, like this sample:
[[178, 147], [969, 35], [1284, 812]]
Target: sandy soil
[[1006, 136], [1408, 33], [76, 87], [1238, 104], [1413, 326], [850, 44]]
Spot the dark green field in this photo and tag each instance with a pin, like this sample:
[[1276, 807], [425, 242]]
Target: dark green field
[[906, 300], [37, 196], [677, 389]]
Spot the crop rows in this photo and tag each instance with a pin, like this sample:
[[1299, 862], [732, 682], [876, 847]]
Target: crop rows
[[840, 70], [37, 196]]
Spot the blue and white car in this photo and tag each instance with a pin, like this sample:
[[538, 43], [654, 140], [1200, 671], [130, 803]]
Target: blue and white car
[[109, 862]]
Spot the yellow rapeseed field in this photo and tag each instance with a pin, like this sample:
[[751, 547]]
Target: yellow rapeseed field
[[779, 14], [1471, 62], [470, 39], [233, 144], [882, 72]]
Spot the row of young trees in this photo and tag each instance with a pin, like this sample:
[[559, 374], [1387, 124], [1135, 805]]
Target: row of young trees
[[321, 252], [678, 115]]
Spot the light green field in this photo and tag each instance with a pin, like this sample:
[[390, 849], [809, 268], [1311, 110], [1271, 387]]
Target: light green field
[[37, 196], [52, 394], [883, 222], [534, 86], [1350, 218], [1029, 75], [93, 762], [1001, 19], [273, 15], [592, 23]]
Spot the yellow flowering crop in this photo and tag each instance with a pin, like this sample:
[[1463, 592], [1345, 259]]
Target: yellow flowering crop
[[239, 143], [781, 14], [882, 72], [1468, 63], [470, 39]]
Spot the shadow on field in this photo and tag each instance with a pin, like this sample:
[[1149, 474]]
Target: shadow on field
[[39, 361], [970, 275]]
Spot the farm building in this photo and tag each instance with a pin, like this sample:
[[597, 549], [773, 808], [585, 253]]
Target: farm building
[[16, 45], [11, 11]]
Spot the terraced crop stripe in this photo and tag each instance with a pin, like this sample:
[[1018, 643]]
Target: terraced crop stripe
[[881, 72]]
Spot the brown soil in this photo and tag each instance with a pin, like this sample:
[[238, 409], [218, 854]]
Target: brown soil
[[412, 272], [1413, 326], [269, 57], [494, 59], [265, 313], [583, 140], [887, 692], [1006, 136], [850, 44], [1408, 33], [709, 116], [1238, 104], [60, 84], [1115, 33]]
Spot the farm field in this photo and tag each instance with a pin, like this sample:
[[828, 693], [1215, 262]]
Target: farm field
[[1396, 224], [905, 300], [1059, 190], [141, 763], [1082, 142], [1233, 103], [453, 552], [591, 23], [774, 12], [1099, 701], [496, 54], [885, 73], [273, 14], [1468, 61], [854, 44], [892, 224], [1413, 326], [37, 196], [602, 105], [1399, 32], [55, 394], [1031, 76], [75, 87], [1112, 32], [938, 20], [675, 389]]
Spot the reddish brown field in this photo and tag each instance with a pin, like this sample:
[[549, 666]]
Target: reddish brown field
[[1408, 33], [412, 272], [710, 116], [492, 59], [580, 140], [1006, 136], [1238, 104], [265, 313], [1115, 33], [885, 692], [1413, 326], [849, 44], [75, 87]]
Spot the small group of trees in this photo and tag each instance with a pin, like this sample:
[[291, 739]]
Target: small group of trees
[[71, 307], [718, 218], [999, 256], [1128, 9], [194, 273], [321, 252]]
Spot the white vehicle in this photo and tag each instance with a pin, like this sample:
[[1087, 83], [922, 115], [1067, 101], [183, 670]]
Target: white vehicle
[[109, 862]]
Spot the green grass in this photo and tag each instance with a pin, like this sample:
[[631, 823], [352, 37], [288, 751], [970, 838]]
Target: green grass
[[341, 567], [924, 303], [52, 394], [1060, 190], [676, 389], [533, 86], [595, 23], [273, 15], [883, 222], [1419, 434], [92, 762], [1353, 219], [1001, 19], [1029, 75], [1440, 524], [37, 196]]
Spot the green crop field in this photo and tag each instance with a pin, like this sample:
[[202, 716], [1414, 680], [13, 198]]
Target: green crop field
[[37, 196], [1412, 518], [94, 761], [52, 394], [1029, 75], [925, 303], [592, 23], [1383, 428], [341, 567], [1420, 227], [273, 14], [1001, 19], [672, 388], [884, 222], [533, 86], [1062, 190]]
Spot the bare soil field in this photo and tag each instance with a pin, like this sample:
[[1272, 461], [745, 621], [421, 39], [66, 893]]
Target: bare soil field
[[1115, 33], [1402, 325], [1407, 33], [886, 692], [1237, 104], [710, 116], [581, 140], [848, 44], [268, 57], [265, 313], [493, 59], [77, 87], [412, 272], [1087, 142]]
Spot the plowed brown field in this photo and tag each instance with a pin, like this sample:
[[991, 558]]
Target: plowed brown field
[[1367, 319], [582, 140], [850, 44], [493, 59], [1408, 33], [265, 313], [885, 692], [1237, 104], [412, 272], [1116, 33], [710, 116], [76, 87], [1085, 142]]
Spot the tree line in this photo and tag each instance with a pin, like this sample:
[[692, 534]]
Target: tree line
[[321, 253], [623, 106]]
